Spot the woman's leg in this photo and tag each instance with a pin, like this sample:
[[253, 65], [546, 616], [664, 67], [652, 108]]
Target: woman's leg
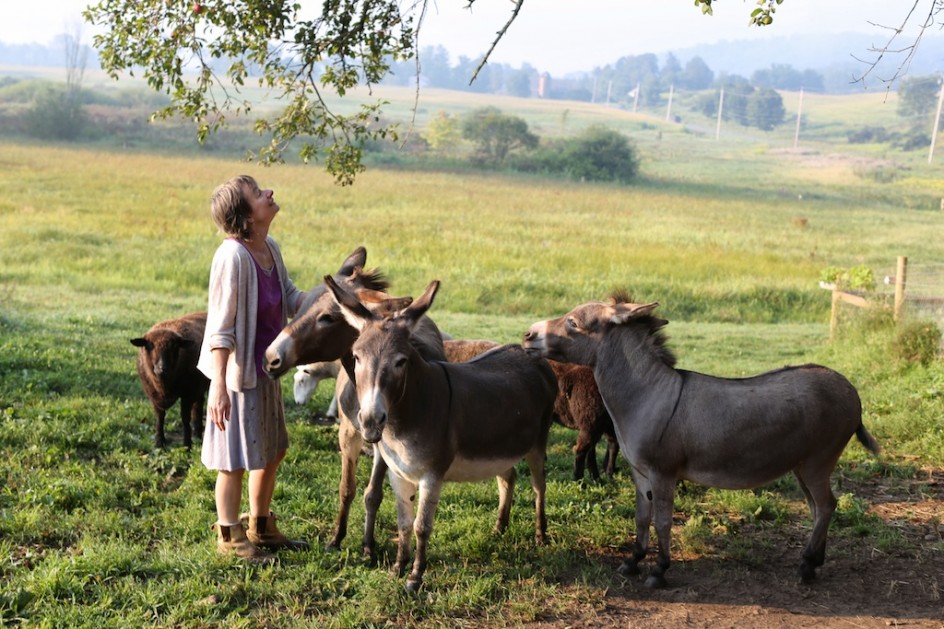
[[262, 487], [229, 493]]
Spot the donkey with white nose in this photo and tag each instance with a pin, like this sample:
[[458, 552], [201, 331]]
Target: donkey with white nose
[[730, 433], [436, 421]]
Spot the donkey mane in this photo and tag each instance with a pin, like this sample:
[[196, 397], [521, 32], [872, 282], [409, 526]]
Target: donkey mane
[[373, 279], [656, 337]]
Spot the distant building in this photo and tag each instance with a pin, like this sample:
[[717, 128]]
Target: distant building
[[544, 85]]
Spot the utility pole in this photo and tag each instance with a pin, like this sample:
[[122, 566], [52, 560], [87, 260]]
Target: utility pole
[[796, 136], [937, 122], [720, 109]]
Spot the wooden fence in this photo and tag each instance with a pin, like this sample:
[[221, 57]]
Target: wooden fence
[[841, 296]]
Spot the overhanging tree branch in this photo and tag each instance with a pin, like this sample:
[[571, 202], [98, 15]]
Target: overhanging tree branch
[[891, 46]]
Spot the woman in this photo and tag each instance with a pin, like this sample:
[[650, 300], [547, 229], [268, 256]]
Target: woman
[[250, 300]]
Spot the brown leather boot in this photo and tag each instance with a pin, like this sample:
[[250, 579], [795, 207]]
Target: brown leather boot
[[263, 531], [232, 540]]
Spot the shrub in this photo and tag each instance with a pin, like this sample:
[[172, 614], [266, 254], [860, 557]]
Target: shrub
[[879, 174], [56, 115], [853, 278], [866, 135], [597, 154], [917, 342], [496, 134]]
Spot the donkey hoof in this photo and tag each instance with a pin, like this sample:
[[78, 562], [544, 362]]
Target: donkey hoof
[[628, 568], [332, 547], [807, 573], [655, 581], [413, 585]]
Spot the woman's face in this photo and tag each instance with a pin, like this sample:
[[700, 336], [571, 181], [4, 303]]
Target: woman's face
[[262, 204]]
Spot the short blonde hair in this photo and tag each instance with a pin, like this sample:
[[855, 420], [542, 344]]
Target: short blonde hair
[[230, 209]]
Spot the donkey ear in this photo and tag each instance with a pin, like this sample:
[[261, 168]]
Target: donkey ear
[[355, 313], [419, 307], [381, 302], [357, 258], [626, 312]]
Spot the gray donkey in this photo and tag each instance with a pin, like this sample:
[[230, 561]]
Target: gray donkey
[[730, 433]]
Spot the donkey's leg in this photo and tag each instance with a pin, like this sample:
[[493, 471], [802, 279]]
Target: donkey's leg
[[663, 490], [405, 492], [350, 442], [423, 527], [506, 492], [630, 565], [817, 486], [373, 496], [535, 460], [806, 493]]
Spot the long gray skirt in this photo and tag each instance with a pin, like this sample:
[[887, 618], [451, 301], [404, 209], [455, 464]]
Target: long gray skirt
[[255, 432]]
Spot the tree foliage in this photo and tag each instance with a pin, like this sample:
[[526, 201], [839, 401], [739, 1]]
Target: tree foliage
[[201, 54], [496, 134], [442, 132], [599, 154], [917, 99], [765, 109]]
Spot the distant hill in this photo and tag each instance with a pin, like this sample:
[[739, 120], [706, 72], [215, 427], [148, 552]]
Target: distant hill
[[838, 58], [38, 55]]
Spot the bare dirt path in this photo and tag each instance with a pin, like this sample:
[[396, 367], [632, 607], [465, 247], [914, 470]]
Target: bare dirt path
[[859, 586]]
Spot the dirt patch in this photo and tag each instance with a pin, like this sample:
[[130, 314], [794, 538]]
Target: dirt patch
[[814, 159], [860, 585]]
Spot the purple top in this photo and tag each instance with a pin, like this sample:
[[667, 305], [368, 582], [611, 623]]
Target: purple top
[[268, 312]]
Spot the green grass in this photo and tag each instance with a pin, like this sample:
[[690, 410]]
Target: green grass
[[97, 528]]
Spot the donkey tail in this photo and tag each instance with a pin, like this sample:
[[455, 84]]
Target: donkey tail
[[867, 440]]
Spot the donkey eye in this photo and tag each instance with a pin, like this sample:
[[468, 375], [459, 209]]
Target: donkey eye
[[400, 362], [326, 318], [571, 323]]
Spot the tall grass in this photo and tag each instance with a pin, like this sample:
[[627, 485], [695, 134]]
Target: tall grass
[[97, 528]]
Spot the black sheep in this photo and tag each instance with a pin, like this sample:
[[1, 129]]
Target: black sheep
[[167, 366]]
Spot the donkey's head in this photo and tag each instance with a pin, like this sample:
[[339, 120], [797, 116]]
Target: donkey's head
[[383, 353], [320, 333], [576, 336]]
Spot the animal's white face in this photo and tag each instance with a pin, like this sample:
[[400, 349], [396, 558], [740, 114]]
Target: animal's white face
[[576, 337], [307, 378]]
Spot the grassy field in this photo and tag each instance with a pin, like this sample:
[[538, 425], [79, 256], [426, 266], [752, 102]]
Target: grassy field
[[98, 529]]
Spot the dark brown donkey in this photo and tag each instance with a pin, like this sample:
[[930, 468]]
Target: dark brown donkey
[[578, 406], [322, 334], [729, 433], [438, 421]]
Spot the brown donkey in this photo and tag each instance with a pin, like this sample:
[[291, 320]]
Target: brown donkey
[[728, 433], [321, 333], [438, 421]]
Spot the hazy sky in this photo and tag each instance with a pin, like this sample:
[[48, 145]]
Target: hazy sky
[[558, 36]]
